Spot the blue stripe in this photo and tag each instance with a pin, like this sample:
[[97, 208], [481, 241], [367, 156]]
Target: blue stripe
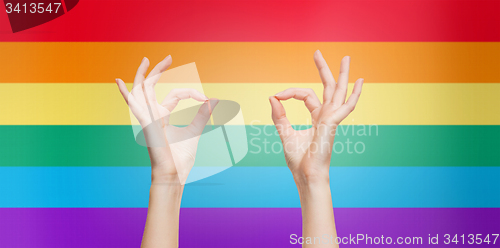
[[253, 187]]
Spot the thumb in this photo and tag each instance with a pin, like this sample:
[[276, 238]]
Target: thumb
[[203, 115]]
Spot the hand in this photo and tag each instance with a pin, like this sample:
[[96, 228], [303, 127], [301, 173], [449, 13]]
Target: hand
[[172, 150], [308, 152]]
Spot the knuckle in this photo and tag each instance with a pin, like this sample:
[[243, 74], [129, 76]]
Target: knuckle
[[351, 107]]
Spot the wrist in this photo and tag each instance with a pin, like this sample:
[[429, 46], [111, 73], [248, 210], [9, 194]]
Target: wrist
[[169, 184], [164, 173], [312, 190], [316, 181], [165, 179], [312, 177], [169, 192]]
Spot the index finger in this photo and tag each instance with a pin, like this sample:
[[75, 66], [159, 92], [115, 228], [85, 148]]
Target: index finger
[[175, 95], [307, 95]]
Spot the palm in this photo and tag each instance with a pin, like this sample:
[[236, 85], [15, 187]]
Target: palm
[[293, 153], [184, 150], [304, 138], [300, 142]]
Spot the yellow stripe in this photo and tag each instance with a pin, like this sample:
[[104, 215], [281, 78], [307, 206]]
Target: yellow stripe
[[380, 103], [253, 62]]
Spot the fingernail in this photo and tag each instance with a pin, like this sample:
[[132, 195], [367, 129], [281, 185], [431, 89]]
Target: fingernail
[[279, 93], [116, 80], [209, 107], [168, 57], [143, 59]]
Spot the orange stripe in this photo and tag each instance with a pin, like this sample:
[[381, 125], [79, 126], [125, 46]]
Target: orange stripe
[[234, 62]]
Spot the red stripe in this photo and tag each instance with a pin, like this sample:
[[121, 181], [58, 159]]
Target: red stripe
[[228, 20]]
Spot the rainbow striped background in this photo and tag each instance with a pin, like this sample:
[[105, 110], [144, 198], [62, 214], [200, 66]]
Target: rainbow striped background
[[71, 174]]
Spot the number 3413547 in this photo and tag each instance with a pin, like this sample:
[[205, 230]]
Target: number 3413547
[[32, 8]]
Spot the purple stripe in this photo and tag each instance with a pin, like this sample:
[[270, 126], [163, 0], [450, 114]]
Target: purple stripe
[[233, 227]]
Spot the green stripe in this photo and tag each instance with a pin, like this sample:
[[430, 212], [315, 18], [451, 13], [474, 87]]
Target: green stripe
[[390, 146]]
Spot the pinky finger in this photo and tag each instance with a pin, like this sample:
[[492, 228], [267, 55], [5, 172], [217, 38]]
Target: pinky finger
[[356, 92], [123, 89], [349, 106]]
